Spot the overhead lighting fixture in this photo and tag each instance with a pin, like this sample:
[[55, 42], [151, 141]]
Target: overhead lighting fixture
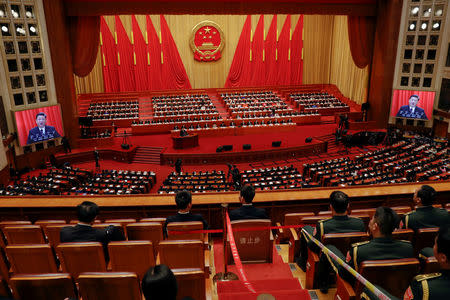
[[5, 29], [32, 29], [436, 25], [2, 13], [415, 10], [412, 26], [14, 13], [439, 12], [424, 26], [29, 14]]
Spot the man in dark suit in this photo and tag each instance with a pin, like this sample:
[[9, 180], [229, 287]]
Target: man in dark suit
[[41, 132], [412, 110], [247, 211], [84, 232], [183, 199]]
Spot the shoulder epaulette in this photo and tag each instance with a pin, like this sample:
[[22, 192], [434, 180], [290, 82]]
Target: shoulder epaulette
[[360, 243], [427, 276]]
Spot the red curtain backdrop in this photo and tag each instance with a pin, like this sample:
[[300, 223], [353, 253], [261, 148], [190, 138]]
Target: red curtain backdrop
[[239, 74], [109, 59], [140, 57], [125, 58], [257, 64], [361, 34], [84, 36], [174, 73], [270, 47], [283, 49], [401, 97], [296, 53], [26, 120], [154, 68]]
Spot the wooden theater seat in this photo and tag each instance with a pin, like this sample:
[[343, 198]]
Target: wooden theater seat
[[52, 233], [255, 246], [81, 257], [192, 283], [155, 220], [31, 259], [13, 223], [403, 234], [342, 241], [146, 231], [312, 220], [187, 226], [291, 219], [131, 256], [366, 211], [424, 237], [96, 221], [394, 275], [45, 223], [183, 254], [43, 286], [110, 285], [24, 234], [122, 222]]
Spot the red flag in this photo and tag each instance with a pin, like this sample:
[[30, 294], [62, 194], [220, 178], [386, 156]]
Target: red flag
[[140, 57], [296, 53], [270, 47], [125, 58], [109, 59], [153, 57], [283, 47], [258, 76], [240, 72], [174, 73]]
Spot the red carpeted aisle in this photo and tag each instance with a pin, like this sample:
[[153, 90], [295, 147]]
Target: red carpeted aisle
[[270, 278]]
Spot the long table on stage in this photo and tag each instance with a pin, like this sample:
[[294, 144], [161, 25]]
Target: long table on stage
[[183, 142]]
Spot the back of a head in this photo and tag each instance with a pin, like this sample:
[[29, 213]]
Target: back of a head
[[427, 195], [182, 199], [387, 220], [159, 283], [443, 241], [339, 201], [248, 193], [87, 211]]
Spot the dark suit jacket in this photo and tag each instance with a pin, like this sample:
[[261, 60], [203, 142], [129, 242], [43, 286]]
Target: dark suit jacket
[[34, 135], [248, 212], [404, 112], [184, 218]]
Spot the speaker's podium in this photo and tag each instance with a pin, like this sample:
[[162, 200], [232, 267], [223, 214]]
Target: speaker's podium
[[186, 141]]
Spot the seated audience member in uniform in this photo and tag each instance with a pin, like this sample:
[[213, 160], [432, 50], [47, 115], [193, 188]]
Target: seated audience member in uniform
[[425, 216], [434, 286], [382, 246], [340, 222], [160, 283], [183, 199], [247, 210], [84, 232]]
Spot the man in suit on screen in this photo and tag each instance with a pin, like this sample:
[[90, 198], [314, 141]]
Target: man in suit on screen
[[41, 132], [412, 110]]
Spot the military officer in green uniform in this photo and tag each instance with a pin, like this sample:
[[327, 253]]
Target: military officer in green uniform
[[382, 246], [434, 286], [340, 222], [425, 216]]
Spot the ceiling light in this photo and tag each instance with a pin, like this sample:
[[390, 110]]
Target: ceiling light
[[32, 29], [423, 26], [415, 10], [28, 14], [2, 13], [5, 29], [439, 12], [412, 26], [14, 13], [436, 25]]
